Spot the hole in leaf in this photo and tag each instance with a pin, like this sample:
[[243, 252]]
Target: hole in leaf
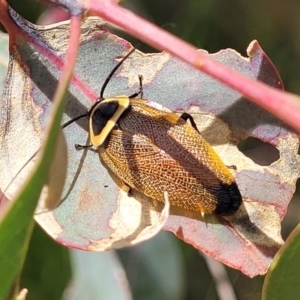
[[260, 152]]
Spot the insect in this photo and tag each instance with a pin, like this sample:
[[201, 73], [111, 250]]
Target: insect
[[148, 148]]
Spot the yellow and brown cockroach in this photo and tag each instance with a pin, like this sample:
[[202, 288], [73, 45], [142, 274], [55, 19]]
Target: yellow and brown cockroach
[[152, 150]]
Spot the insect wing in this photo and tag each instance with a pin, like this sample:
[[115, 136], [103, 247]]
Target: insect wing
[[156, 151], [147, 168], [176, 137]]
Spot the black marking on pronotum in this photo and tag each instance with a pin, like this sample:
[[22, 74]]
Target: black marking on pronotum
[[102, 114]]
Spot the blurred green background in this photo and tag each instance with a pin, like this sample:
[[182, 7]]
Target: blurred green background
[[165, 267]]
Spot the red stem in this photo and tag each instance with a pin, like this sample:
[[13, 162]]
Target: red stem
[[4, 17], [7, 22], [75, 29], [284, 105]]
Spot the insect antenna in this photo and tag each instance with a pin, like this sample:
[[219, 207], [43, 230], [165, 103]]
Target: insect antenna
[[101, 97], [74, 119], [112, 72], [18, 173]]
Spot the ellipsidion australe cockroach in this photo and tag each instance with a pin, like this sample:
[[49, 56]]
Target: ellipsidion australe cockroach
[[150, 149]]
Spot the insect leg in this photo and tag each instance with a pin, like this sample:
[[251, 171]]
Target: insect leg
[[17, 174], [232, 167], [74, 119], [140, 91], [119, 182], [123, 186], [80, 147], [126, 188], [186, 116]]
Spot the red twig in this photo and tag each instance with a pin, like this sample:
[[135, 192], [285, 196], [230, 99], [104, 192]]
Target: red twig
[[285, 106], [75, 29]]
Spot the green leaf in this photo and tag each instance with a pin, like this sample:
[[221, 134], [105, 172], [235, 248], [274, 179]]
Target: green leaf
[[283, 277], [17, 223], [47, 268]]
